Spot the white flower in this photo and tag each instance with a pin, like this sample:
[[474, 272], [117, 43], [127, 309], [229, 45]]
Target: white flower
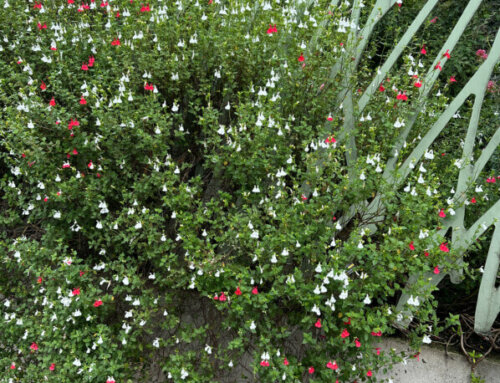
[[330, 302], [316, 310], [125, 281], [274, 259], [77, 313], [255, 234], [413, 301], [57, 215], [156, 343], [98, 225], [138, 225], [367, 300], [208, 349], [344, 294], [184, 374], [423, 234], [427, 339], [77, 363], [252, 326]]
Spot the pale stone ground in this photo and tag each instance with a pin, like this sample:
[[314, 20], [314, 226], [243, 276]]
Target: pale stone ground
[[435, 367]]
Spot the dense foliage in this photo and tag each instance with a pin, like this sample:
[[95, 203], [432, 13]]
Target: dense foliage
[[162, 159]]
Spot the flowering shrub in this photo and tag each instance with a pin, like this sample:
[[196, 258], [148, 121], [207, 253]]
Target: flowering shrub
[[164, 156]]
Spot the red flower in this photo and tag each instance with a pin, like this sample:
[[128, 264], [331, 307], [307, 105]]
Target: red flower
[[37, 5], [376, 333], [473, 200], [83, 101], [76, 291], [443, 247], [43, 86], [329, 118], [13, 366], [438, 66], [436, 270], [91, 61], [402, 96], [222, 297], [286, 362], [357, 342], [85, 66], [52, 367], [330, 140], [75, 152], [381, 88], [369, 373], [115, 42], [442, 214], [304, 198], [332, 366], [378, 350], [482, 53], [34, 346], [216, 297], [348, 321], [149, 86], [412, 247], [71, 1], [73, 123], [452, 79], [301, 58], [433, 20], [423, 50], [39, 280], [344, 334], [446, 54], [426, 254], [97, 303], [145, 8], [418, 84], [318, 323], [272, 29], [52, 102], [311, 370], [238, 291], [255, 291], [264, 363]]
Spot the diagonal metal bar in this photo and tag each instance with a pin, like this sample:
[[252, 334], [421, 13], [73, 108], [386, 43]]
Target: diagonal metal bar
[[488, 301]]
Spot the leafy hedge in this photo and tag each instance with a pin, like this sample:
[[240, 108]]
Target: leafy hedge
[[156, 157]]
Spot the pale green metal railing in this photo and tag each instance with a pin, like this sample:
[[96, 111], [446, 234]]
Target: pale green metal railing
[[488, 303]]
